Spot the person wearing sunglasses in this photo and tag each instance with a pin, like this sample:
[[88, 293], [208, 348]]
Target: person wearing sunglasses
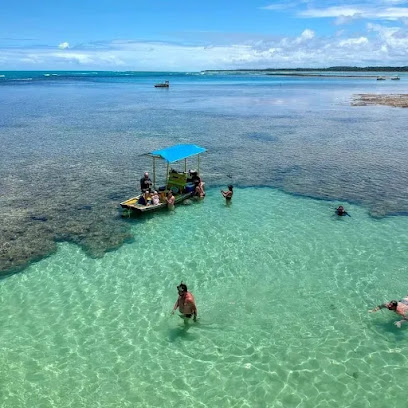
[[185, 303], [398, 306]]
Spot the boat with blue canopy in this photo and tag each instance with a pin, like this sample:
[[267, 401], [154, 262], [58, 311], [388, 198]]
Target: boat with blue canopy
[[181, 183]]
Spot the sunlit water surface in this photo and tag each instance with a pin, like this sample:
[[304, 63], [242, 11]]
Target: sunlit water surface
[[282, 287]]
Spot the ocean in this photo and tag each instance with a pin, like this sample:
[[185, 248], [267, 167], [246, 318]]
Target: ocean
[[282, 285]]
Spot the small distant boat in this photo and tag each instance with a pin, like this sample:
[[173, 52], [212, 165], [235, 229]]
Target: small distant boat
[[164, 84], [380, 78], [395, 78]]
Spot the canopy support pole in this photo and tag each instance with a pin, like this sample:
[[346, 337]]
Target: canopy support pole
[[154, 172], [185, 165], [167, 176], [198, 164]]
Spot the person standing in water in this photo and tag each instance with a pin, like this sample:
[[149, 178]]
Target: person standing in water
[[185, 303], [400, 307], [228, 194], [170, 200]]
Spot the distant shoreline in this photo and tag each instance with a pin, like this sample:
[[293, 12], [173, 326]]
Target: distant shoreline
[[302, 71], [320, 75], [306, 74]]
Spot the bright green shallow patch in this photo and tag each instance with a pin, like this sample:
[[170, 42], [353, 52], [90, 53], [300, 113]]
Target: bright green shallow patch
[[282, 288]]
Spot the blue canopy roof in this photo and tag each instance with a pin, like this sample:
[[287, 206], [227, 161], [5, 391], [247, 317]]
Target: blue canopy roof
[[178, 152]]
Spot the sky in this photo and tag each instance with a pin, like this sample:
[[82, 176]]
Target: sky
[[192, 35]]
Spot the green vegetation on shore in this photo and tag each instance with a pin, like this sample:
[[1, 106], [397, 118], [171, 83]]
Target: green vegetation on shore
[[329, 69]]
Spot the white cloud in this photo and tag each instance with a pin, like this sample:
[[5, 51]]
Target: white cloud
[[342, 20], [307, 34], [353, 42], [280, 6], [343, 11], [377, 13], [63, 45], [376, 45], [337, 11]]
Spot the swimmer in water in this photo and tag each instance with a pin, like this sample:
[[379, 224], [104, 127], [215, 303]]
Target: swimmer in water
[[400, 307], [341, 211]]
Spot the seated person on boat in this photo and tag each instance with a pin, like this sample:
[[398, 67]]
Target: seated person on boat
[[193, 176], [155, 198], [145, 198]]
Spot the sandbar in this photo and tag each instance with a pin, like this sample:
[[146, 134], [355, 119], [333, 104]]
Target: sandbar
[[394, 100]]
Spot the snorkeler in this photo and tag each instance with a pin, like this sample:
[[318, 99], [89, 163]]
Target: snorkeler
[[341, 211], [185, 303], [228, 194], [400, 307]]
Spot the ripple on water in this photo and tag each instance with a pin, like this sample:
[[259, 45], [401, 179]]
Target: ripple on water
[[282, 291]]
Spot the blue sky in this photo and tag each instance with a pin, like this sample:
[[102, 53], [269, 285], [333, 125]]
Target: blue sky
[[191, 35]]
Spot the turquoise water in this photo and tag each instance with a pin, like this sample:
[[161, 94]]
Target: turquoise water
[[282, 288]]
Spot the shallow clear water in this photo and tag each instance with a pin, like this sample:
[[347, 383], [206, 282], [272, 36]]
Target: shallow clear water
[[282, 288]]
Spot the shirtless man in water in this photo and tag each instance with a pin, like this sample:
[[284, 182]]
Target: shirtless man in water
[[400, 307], [170, 200], [185, 303]]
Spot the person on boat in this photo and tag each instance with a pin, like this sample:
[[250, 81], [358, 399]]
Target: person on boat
[[145, 182], [185, 303], [155, 198], [341, 211], [170, 200], [145, 198], [400, 307], [194, 177], [228, 194]]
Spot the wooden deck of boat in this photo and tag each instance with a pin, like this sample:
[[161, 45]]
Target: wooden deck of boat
[[132, 203]]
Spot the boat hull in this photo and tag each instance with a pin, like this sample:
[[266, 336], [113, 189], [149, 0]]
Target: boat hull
[[131, 204]]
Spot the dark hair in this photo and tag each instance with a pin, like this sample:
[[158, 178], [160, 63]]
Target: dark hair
[[230, 186], [182, 286], [393, 303]]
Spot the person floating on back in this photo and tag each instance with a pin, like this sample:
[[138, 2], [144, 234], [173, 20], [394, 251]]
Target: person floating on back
[[341, 211], [185, 303], [228, 194], [400, 307]]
